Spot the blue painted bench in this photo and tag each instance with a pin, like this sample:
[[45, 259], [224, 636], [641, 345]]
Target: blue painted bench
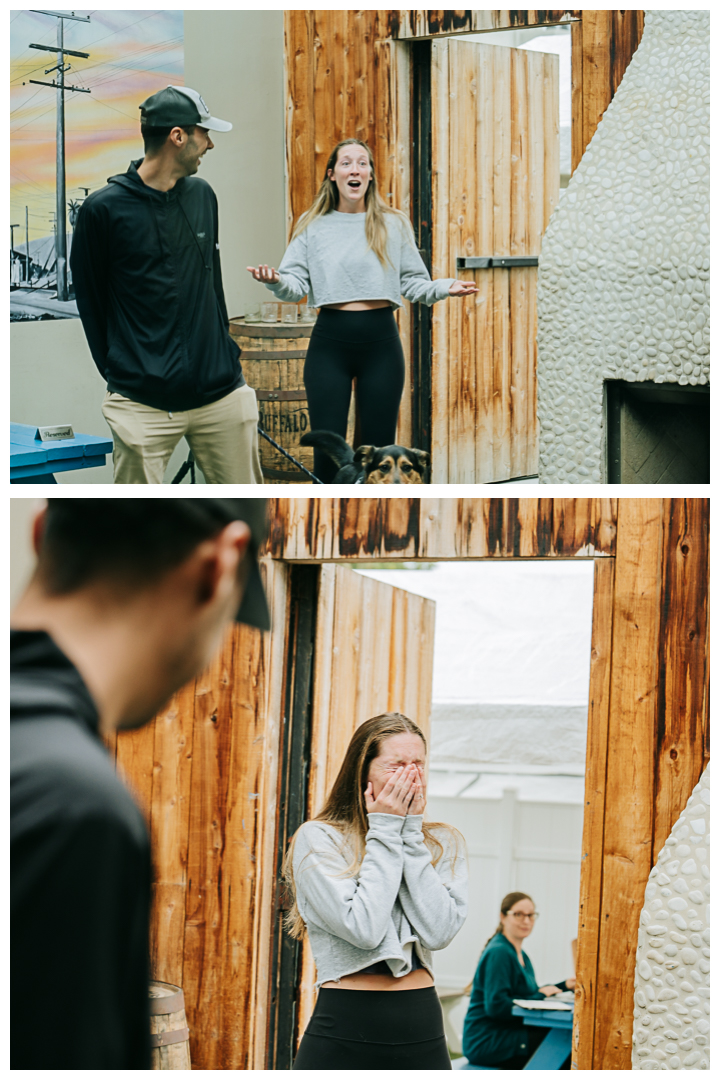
[[555, 1048], [35, 462]]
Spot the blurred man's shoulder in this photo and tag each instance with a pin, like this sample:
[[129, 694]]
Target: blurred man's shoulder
[[61, 773]]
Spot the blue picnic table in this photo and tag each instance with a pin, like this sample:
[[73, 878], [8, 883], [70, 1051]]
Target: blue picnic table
[[556, 1047], [35, 462]]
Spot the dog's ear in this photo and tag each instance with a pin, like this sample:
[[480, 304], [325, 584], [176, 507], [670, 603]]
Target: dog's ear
[[364, 454], [422, 456]]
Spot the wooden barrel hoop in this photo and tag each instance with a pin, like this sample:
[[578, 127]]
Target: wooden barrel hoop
[[169, 1033], [272, 357]]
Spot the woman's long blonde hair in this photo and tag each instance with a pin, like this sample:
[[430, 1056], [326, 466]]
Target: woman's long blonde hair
[[345, 807], [376, 208]]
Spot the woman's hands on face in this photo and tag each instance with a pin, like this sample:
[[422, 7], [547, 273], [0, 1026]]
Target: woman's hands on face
[[417, 806], [267, 274], [398, 794], [463, 288]]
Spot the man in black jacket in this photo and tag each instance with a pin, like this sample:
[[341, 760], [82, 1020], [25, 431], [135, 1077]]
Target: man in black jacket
[[129, 601], [146, 269]]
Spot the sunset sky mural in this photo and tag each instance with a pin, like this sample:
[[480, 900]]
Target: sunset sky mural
[[132, 55]]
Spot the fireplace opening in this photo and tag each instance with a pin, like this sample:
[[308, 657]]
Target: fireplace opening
[[657, 433]]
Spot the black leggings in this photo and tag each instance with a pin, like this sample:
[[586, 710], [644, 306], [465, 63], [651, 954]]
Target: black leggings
[[375, 1029], [347, 345]]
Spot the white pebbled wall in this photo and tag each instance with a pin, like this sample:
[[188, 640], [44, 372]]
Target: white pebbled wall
[[672, 975], [623, 288]]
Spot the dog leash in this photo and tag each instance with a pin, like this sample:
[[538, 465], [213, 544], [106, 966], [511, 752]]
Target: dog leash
[[189, 465], [289, 456]]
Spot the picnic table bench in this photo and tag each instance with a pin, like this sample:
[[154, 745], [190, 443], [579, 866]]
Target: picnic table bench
[[36, 462]]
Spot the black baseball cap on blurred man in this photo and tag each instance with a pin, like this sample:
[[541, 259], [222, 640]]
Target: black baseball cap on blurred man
[[253, 609], [138, 538]]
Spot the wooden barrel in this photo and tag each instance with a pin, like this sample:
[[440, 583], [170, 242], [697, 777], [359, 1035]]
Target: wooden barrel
[[169, 1035], [273, 357]]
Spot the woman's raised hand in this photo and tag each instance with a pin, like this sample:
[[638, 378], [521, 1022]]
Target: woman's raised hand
[[397, 795], [267, 274], [463, 288]]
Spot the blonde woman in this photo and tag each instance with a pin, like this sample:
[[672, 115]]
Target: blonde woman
[[355, 258], [376, 890]]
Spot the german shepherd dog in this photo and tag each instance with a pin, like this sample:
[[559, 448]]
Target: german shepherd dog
[[370, 464]]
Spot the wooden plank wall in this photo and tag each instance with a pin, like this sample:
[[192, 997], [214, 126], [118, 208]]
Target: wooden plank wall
[[495, 185], [348, 74], [649, 706], [373, 654], [347, 78], [423, 24], [603, 43], [334, 529], [204, 772]]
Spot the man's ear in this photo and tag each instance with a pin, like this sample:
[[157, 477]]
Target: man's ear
[[38, 528], [220, 560], [177, 135]]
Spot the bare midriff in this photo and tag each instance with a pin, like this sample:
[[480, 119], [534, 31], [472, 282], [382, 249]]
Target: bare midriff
[[414, 980], [359, 305]]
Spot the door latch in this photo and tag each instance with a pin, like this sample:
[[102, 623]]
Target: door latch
[[490, 262]]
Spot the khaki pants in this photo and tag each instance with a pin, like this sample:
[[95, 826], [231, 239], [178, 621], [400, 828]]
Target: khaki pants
[[222, 436]]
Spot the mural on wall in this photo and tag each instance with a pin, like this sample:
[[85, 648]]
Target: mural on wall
[[672, 976], [127, 55]]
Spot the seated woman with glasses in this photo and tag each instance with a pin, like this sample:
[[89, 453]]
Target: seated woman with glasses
[[492, 1035]]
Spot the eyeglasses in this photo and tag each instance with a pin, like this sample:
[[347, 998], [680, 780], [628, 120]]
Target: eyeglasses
[[523, 915]]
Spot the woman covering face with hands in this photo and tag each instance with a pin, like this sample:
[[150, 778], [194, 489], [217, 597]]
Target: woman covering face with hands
[[376, 890]]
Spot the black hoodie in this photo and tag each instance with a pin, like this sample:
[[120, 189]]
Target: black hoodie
[[146, 271], [79, 878]]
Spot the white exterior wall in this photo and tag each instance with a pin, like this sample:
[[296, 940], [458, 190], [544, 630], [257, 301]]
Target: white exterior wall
[[672, 976], [623, 289], [533, 847]]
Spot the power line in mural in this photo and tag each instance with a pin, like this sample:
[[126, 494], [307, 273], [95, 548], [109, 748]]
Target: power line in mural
[[57, 84], [55, 167]]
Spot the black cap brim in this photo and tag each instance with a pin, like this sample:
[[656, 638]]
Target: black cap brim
[[254, 609]]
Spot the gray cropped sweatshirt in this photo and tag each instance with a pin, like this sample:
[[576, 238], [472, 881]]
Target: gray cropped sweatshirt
[[397, 900], [331, 263]]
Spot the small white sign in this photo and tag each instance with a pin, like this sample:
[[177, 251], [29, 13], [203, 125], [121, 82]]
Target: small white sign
[[52, 434]]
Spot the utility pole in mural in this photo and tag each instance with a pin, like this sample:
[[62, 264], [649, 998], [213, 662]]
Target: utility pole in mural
[[59, 85]]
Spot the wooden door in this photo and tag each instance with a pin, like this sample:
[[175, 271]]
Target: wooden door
[[373, 654], [496, 176]]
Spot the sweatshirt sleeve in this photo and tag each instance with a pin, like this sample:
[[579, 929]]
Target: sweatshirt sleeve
[[358, 910], [90, 274], [294, 272], [434, 898], [498, 985], [416, 284]]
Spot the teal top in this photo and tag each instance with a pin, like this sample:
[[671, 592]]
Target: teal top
[[491, 1033]]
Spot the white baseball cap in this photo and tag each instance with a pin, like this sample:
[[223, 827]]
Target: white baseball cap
[[205, 120]]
